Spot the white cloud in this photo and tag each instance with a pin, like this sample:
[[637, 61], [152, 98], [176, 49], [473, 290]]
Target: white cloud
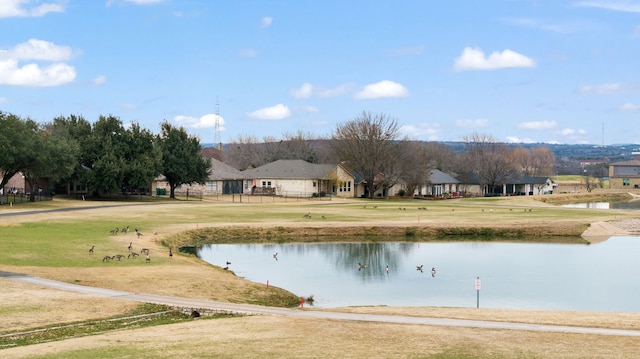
[[538, 125], [206, 121], [605, 89], [514, 139], [476, 123], [4, 100], [475, 59], [99, 80], [33, 74], [382, 89], [615, 5], [308, 90], [630, 107], [35, 49], [426, 131], [266, 22], [277, 112], [24, 8]]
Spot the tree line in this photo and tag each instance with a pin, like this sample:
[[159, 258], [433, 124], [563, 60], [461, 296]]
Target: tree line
[[104, 156], [107, 157], [372, 147]]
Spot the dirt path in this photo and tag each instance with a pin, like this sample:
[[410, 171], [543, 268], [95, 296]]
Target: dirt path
[[301, 313]]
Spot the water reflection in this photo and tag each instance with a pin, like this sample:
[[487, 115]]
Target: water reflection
[[633, 205], [601, 277]]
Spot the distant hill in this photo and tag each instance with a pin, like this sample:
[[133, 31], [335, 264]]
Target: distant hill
[[618, 152]]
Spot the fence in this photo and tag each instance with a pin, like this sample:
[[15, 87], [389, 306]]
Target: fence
[[17, 198]]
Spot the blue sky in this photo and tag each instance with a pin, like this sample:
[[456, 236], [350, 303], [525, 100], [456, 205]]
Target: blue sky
[[520, 70]]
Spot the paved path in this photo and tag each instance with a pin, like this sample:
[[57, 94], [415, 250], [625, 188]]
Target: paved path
[[299, 313]]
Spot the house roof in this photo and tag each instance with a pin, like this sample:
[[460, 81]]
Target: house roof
[[439, 177], [530, 180], [626, 163], [289, 169], [212, 152], [222, 171]]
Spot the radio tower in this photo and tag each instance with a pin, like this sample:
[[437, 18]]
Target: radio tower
[[216, 140]]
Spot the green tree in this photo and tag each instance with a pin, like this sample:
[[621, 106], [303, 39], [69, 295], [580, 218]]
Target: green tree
[[16, 145], [142, 158], [367, 145], [182, 162], [54, 157]]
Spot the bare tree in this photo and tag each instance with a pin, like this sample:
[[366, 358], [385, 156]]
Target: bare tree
[[415, 164], [246, 152], [489, 161], [538, 161], [542, 161], [367, 146], [440, 156]]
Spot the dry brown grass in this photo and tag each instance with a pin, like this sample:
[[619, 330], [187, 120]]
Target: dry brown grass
[[278, 337], [23, 306]]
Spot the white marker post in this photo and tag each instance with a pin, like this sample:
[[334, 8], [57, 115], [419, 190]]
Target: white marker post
[[478, 286]]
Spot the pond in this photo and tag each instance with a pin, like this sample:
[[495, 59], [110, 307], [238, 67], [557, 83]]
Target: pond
[[596, 277]]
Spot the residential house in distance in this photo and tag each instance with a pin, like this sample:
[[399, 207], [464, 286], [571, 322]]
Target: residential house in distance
[[439, 184], [223, 179], [519, 186], [624, 175], [298, 178]]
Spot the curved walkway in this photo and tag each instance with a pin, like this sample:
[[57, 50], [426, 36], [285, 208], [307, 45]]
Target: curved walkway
[[255, 309]]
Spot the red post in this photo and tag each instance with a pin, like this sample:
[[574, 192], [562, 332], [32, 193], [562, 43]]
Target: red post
[[301, 302], [267, 284]]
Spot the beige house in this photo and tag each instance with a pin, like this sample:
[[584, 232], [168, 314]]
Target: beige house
[[298, 178], [222, 179], [624, 175]]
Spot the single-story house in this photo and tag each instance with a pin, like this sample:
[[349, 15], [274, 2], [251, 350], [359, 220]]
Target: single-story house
[[624, 175], [300, 178], [438, 184], [524, 185], [222, 179]]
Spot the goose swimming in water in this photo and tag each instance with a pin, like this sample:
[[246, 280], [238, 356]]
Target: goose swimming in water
[[361, 266], [420, 267], [433, 271]]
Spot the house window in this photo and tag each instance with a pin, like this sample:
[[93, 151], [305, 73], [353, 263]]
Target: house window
[[315, 184], [266, 183], [345, 186], [212, 186], [626, 182]]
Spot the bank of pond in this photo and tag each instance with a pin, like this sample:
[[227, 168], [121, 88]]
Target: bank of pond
[[561, 273]]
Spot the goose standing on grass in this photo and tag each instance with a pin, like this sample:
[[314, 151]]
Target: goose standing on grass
[[170, 253], [91, 249]]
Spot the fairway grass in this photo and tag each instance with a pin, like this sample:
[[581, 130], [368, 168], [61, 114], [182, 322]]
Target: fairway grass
[[56, 245]]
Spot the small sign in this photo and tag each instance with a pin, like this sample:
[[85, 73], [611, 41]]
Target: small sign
[[478, 283]]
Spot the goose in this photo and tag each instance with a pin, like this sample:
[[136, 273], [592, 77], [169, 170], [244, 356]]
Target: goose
[[420, 267], [386, 269], [91, 249], [433, 271], [361, 266]]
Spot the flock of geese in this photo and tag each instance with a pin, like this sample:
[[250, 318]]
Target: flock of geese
[[362, 266], [132, 254]]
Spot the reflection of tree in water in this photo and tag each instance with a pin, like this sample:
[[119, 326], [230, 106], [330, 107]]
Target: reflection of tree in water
[[376, 256]]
